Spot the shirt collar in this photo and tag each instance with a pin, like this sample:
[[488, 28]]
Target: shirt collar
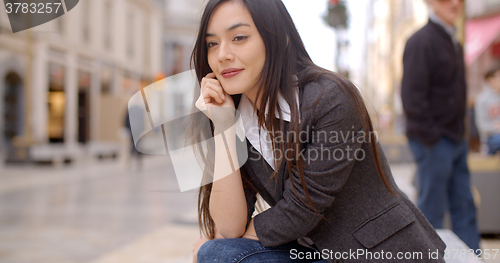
[[451, 30], [258, 136], [246, 105]]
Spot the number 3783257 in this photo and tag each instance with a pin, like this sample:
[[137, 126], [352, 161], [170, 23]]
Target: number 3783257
[[33, 8]]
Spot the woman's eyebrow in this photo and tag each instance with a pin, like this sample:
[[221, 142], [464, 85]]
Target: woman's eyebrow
[[236, 26], [230, 28]]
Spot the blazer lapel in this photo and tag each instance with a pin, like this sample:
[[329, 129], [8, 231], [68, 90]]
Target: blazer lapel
[[260, 171]]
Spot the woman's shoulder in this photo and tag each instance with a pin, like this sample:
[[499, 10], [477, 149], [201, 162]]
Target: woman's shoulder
[[327, 93]]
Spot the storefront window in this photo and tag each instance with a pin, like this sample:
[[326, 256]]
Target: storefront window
[[106, 80], [56, 104], [83, 106]]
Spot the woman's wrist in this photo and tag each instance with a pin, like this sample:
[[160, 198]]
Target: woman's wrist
[[224, 126]]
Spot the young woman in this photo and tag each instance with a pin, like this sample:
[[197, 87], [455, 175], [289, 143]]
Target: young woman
[[321, 169]]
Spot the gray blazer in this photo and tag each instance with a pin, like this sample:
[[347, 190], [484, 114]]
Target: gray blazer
[[356, 209]]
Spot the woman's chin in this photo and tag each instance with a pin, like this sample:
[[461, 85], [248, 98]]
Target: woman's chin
[[232, 91]]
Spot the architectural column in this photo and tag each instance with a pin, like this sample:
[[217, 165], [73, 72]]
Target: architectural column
[[95, 91], [40, 89], [71, 91], [117, 80]]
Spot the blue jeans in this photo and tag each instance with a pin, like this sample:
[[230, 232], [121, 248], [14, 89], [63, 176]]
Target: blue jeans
[[444, 182], [242, 250], [493, 144]]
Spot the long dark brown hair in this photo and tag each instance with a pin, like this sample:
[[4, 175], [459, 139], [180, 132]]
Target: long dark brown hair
[[286, 57]]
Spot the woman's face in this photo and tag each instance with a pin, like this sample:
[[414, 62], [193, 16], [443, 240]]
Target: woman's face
[[236, 51]]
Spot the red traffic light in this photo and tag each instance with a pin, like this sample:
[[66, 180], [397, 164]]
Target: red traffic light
[[333, 2]]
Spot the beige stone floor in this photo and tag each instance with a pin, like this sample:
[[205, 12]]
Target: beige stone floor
[[171, 243], [81, 214]]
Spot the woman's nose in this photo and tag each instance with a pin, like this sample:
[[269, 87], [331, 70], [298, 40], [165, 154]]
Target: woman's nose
[[225, 52]]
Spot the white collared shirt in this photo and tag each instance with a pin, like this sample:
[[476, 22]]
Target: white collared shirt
[[258, 136]]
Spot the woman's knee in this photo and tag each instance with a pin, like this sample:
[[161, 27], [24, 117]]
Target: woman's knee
[[222, 249], [207, 251]]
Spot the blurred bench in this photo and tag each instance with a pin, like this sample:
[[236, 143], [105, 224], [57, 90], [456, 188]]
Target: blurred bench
[[57, 154], [485, 177], [103, 150]]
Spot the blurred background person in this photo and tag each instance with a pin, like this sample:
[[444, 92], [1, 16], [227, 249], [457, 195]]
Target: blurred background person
[[434, 101], [136, 113], [487, 110]]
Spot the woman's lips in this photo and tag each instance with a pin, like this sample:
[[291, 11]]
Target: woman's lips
[[231, 73]]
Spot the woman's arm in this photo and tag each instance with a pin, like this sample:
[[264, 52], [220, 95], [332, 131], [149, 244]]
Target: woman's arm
[[227, 205]]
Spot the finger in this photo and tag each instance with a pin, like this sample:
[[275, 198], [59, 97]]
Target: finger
[[210, 96], [215, 85], [210, 75], [210, 93]]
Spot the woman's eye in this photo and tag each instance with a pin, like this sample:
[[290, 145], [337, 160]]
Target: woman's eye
[[240, 38], [211, 44]]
